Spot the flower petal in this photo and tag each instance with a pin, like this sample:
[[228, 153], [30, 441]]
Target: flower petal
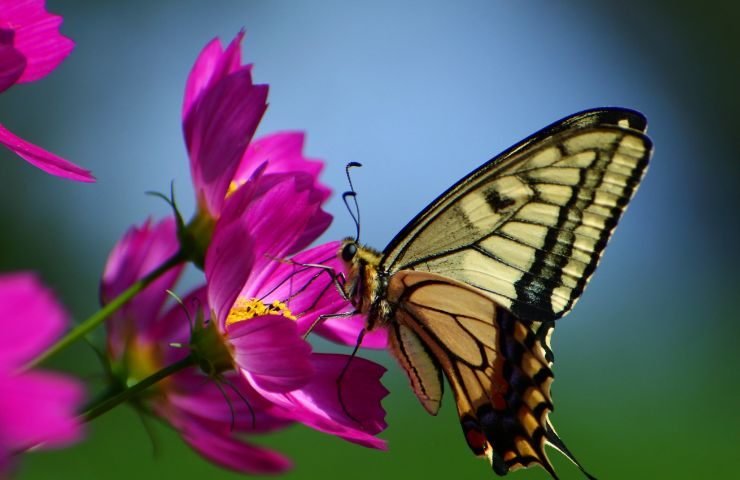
[[140, 251], [346, 331], [38, 409], [30, 316], [216, 442], [270, 353], [218, 128], [12, 64], [277, 212], [36, 36], [42, 159], [360, 415], [244, 408], [212, 65], [230, 257], [283, 153]]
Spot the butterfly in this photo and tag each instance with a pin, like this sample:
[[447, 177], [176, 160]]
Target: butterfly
[[472, 286]]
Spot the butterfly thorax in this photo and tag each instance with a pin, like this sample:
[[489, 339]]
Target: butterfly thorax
[[366, 283]]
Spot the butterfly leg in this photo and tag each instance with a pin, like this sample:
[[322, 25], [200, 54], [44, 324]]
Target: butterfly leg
[[344, 372], [321, 318]]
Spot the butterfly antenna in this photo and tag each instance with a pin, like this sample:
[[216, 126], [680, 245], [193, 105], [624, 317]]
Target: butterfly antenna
[[352, 194], [344, 372]]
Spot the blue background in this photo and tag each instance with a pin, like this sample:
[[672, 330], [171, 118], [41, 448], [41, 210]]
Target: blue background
[[420, 93]]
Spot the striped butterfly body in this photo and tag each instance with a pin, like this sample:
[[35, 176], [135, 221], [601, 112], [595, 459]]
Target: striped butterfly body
[[471, 288]]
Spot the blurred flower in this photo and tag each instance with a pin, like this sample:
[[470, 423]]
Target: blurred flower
[[209, 417], [30, 48], [37, 408], [221, 111]]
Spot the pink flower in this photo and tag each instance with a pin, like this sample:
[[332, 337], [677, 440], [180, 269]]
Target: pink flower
[[258, 202], [37, 408], [30, 48], [221, 111], [139, 339], [261, 305]]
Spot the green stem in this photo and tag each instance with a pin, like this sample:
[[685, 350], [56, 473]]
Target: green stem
[[101, 315], [108, 403]]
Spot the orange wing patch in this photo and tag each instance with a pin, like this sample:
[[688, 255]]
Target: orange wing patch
[[498, 367]]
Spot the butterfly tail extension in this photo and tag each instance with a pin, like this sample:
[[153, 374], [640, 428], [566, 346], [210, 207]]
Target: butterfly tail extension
[[554, 440]]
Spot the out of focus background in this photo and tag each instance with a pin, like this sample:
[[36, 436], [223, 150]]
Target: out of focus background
[[421, 93]]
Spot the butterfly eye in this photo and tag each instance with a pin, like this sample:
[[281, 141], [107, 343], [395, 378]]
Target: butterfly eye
[[348, 252]]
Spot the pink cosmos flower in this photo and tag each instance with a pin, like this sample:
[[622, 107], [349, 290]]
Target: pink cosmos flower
[[221, 111], [31, 47], [37, 408], [261, 305]]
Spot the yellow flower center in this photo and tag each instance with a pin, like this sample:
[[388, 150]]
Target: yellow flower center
[[234, 186], [142, 360], [245, 309]]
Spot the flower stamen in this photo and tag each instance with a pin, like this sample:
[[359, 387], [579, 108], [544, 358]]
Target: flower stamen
[[245, 309]]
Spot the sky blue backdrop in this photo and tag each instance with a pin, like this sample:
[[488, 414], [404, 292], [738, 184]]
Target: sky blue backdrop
[[420, 93]]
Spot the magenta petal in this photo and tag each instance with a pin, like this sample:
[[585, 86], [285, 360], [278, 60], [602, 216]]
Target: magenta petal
[[218, 129], [229, 259], [362, 392], [270, 353], [317, 404], [39, 409], [42, 159], [12, 64], [283, 153], [346, 331], [140, 251], [30, 316], [212, 65], [216, 442], [201, 74], [200, 397], [36, 35], [281, 209], [311, 291]]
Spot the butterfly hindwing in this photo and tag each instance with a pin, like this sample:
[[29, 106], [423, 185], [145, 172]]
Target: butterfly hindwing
[[529, 226], [419, 364], [498, 367]]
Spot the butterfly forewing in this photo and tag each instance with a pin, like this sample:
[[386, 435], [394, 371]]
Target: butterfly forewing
[[529, 227]]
